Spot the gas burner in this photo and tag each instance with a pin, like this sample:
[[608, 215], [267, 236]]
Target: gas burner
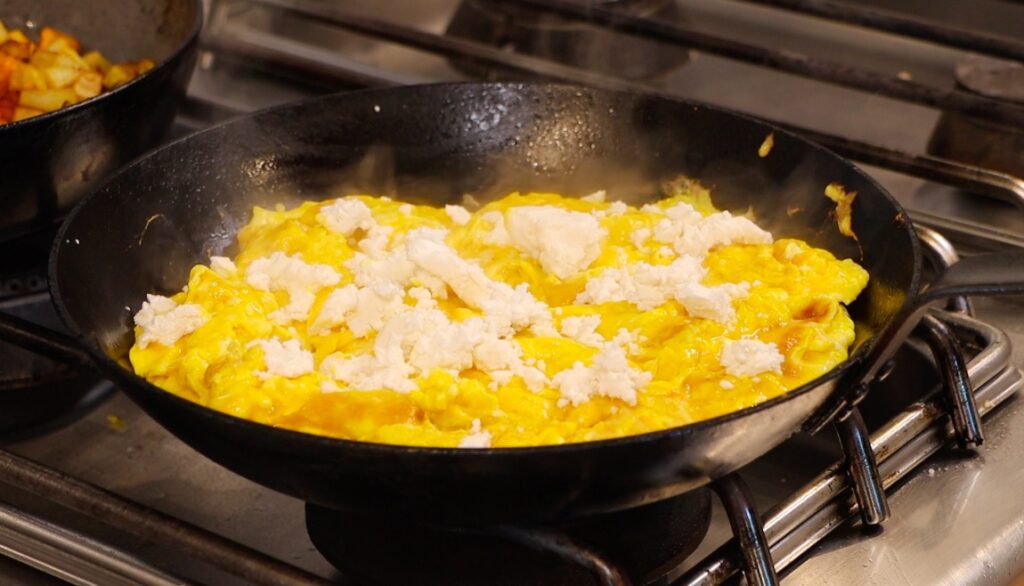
[[547, 35], [977, 142], [38, 394], [389, 551]]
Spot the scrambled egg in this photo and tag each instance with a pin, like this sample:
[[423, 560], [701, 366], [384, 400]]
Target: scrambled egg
[[786, 297]]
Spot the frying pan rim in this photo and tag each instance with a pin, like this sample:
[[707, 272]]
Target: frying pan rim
[[320, 442], [193, 35]]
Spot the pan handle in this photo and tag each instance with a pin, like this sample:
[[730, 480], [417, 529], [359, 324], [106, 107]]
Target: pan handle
[[43, 341], [997, 273]]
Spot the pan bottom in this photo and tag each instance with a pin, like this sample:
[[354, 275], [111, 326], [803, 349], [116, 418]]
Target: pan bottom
[[645, 542]]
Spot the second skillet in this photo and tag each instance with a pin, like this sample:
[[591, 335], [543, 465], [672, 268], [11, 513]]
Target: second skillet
[[174, 208]]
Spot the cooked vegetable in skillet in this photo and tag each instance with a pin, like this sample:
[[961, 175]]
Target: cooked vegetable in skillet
[[41, 76]]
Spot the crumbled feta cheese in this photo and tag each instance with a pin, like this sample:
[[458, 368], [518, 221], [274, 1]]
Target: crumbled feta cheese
[[345, 216], [564, 242], [376, 241], [690, 233], [617, 208], [608, 375], [498, 235], [362, 309], [458, 214], [223, 266], [405, 209], [476, 438], [648, 286], [750, 357], [280, 272], [721, 229], [164, 321], [596, 197], [726, 384], [286, 359], [640, 237], [666, 251], [583, 329], [714, 303], [366, 373]]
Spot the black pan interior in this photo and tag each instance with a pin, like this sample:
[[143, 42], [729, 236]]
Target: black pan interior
[[172, 209]]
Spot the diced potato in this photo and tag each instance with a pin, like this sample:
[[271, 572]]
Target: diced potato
[[89, 85], [96, 60], [18, 36], [119, 75], [69, 57], [51, 39], [44, 59], [48, 100], [21, 113], [17, 49], [145, 65], [61, 77], [3, 32], [27, 77]]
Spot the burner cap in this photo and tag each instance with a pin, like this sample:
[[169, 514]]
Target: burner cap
[[992, 78], [647, 542]]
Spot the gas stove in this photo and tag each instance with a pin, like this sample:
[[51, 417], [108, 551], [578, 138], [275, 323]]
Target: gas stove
[[925, 95]]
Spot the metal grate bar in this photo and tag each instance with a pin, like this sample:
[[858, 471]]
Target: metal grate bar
[[148, 524], [789, 62], [804, 518], [978, 180], [891, 22], [974, 179], [449, 46], [295, 57]]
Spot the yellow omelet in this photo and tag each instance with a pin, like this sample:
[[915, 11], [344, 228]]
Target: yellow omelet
[[640, 319]]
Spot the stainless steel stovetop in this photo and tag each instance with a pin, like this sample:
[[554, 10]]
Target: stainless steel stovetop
[[956, 518]]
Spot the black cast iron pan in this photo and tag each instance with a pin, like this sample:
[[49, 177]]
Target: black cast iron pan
[[48, 163], [174, 208]]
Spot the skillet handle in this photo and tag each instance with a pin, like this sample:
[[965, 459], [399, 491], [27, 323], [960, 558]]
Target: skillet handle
[[44, 341], [998, 273]]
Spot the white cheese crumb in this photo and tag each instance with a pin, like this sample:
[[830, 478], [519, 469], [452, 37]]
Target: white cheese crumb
[[345, 216], [666, 251], [726, 384], [498, 235], [405, 209], [286, 359], [458, 214], [750, 357], [366, 373], [164, 321], [617, 208], [476, 438], [280, 272], [596, 197], [648, 286], [609, 375], [583, 329], [223, 266], [564, 242], [640, 237], [362, 309], [376, 108]]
